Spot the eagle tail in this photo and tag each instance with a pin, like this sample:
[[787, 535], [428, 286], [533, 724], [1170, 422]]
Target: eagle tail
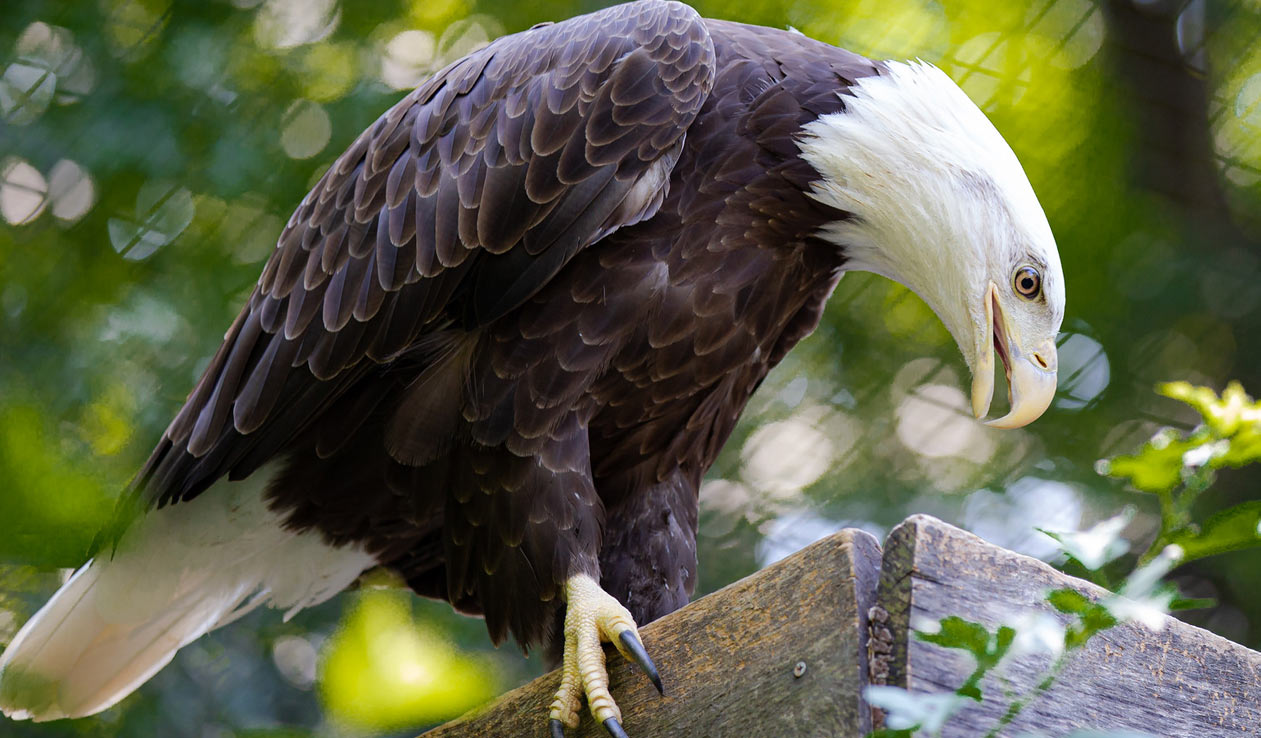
[[178, 573]]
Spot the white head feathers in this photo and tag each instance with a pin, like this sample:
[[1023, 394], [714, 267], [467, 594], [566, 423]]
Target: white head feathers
[[939, 200]]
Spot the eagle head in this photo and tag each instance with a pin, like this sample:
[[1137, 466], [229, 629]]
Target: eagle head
[[935, 199]]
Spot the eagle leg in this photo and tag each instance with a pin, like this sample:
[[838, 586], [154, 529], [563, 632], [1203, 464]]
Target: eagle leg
[[591, 617]]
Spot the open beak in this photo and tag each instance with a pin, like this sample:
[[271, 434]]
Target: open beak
[[1030, 370]]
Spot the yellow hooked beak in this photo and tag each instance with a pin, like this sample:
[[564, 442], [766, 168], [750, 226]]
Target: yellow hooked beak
[[1030, 373]]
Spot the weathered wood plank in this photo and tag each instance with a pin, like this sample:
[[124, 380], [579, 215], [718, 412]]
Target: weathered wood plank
[[1179, 681], [728, 659]]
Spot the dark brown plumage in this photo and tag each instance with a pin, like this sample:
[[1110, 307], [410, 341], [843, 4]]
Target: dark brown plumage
[[506, 334]]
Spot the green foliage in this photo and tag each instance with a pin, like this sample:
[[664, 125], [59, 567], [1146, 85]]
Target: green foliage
[[1090, 616], [986, 647], [1178, 466], [1226, 530]]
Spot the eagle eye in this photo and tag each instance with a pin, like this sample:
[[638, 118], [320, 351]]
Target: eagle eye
[[1027, 282]]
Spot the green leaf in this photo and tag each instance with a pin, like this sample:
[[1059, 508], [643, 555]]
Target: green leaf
[[1230, 437], [1192, 603], [1069, 601], [1232, 529], [1245, 448], [961, 634], [1158, 465], [1092, 617], [987, 648], [1223, 415]]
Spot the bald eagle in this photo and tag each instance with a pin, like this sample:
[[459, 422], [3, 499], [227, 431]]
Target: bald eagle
[[501, 341]]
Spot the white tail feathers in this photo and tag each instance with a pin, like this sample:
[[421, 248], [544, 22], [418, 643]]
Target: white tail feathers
[[178, 573]]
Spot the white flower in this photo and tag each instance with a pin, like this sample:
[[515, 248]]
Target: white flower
[[1037, 632], [1142, 597], [1099, 545], [904, 710]]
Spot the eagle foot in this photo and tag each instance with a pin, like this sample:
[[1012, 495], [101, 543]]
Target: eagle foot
[[591, 617]]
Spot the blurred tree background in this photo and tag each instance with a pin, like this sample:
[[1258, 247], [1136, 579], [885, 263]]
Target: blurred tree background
[[151, 151]]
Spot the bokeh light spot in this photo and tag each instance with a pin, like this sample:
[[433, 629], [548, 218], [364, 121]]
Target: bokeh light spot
[[53, 48], [467, 35], [23, 191], [71, 189], [199, 58], [784, 457], [163, 211], [1074, 28], [934, 420], [306, 130], [26, 91], [295, 658], [384, 669], [1084, 372], [48, 67], [408, 59], [107, 423], [903, 29], [1009, 519], [790, 533], [249, 230], [795, 391], [906, 316], [1237, 130], [724, 494], [992, 70], [1190, 34], [330, 71], [131, 25], [284, 24], [436, 12]]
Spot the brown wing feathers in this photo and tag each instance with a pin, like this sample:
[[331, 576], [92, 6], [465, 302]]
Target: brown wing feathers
[[457, 205]]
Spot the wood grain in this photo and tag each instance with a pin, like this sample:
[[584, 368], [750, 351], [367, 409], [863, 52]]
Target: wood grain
[[728, 659], [1178, 681]]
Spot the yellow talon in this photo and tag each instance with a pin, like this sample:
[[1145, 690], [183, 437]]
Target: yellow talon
[[591, 617]]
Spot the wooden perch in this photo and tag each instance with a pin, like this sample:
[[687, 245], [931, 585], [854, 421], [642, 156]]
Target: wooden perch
[[1178, 681], [729, 661], [788, 650]]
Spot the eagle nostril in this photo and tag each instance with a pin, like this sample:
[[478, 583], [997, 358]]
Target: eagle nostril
[[1041, 361]]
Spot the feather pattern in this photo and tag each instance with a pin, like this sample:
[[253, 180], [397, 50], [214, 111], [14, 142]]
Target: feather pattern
[[437, 183]]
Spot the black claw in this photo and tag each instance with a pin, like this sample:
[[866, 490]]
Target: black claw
[[556, 727], [640, 657], [614, 728]]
